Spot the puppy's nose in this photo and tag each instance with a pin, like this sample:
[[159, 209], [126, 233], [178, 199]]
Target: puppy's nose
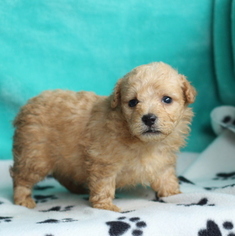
[[149, 119]]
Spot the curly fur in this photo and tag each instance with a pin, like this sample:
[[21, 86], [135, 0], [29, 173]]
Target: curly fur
[[101, 143]]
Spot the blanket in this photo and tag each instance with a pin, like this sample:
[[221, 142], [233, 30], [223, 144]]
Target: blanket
[[205, 207]]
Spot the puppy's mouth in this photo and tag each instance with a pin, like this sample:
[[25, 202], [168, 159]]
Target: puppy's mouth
[[152, 131]]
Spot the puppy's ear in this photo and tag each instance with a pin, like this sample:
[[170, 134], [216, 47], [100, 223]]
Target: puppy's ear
[[189, 90], [116, 96]]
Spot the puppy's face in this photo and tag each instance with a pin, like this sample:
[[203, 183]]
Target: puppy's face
[[153, 99]]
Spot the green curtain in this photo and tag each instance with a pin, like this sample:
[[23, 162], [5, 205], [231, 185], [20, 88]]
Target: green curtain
[[224, 49], [89, 44]]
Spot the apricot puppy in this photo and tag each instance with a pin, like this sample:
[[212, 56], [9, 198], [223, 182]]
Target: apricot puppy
[[103, 143]]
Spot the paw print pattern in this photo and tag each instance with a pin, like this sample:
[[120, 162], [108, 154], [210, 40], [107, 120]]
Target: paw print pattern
[[214, 188], [59, 209], [182, 179], [122, 225], [42, 188], [124, 212], [202, 202], [228, 120], [54, 221], [5, 219], [212, 229], [44, 198], [225, 176]]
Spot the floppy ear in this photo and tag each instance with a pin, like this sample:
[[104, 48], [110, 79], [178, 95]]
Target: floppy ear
[[189, 91], [116, 96]]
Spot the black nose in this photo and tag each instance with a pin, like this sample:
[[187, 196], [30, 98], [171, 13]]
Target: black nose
[[149, 119]]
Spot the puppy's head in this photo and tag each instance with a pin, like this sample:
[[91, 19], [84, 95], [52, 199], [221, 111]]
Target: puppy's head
[[153, 99]]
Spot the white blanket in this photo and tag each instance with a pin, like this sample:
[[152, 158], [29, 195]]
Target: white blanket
[[205, 208]]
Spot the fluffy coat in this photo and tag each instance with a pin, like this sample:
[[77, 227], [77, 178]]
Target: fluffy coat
[[103, 143]]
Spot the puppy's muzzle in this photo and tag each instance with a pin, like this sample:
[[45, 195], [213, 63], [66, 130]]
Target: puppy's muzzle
[[149, 119]]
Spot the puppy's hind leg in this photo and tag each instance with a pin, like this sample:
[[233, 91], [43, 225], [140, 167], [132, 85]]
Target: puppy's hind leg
[[28, 169]]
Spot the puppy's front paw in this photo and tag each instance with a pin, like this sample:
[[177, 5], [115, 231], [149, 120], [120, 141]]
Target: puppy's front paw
[[22, 197], [167, 193], [27, 202], [110, 207]]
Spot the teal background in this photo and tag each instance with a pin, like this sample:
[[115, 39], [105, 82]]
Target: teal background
[[89, 44]]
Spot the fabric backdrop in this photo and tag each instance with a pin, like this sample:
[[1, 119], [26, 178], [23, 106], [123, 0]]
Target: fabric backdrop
[[88, 45]]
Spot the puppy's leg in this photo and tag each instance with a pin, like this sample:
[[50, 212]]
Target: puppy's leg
[[167, 183], [102, 188], [26, 172], [102, 193]]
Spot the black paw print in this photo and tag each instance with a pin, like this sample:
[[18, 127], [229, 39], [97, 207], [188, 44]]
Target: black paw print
[[44, 198], [212, 229], [59, 209], [42, 188], [182, 179], [54, 221], [228, 120], [5, 219], [202, 202], [124, 212], [225, 176], [122, 225], [223, 187]]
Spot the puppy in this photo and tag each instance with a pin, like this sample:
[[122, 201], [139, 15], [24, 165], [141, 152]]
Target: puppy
[[103, 143]]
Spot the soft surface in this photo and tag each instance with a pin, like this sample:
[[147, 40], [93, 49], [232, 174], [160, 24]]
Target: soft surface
[[204, 208]]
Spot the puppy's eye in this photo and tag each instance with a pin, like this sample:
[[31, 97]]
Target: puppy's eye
[[133, 102], [167, 99]]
